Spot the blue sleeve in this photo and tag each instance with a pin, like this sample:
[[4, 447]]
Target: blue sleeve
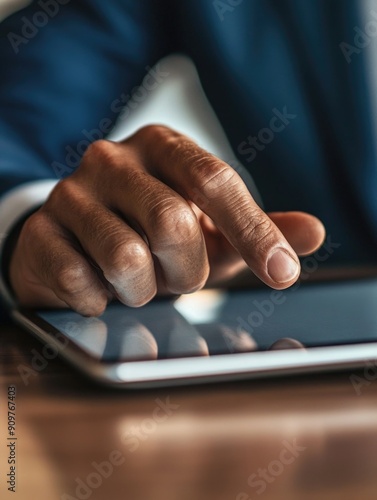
[[65, 69]]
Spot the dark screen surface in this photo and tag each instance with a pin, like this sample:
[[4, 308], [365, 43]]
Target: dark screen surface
[[214, 322]]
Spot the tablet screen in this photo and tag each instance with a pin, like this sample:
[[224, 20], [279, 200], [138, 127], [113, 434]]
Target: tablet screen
[[213, 322]]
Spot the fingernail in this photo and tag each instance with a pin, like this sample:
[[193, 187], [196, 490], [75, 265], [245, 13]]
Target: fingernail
[[281, 267]]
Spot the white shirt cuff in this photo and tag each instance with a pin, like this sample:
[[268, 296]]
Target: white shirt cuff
[[14, 205]]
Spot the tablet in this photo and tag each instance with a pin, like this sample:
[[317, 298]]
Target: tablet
[[215, 335]]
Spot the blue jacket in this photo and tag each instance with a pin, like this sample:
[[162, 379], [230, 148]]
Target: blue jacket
[[257, 59]]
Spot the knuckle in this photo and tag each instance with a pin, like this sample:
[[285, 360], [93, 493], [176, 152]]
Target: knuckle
[[154, 132], [99, 149], [35, 229], [213, 175], [65, 192], [35, 224], [127, 258], [72, 280], [174, 224], [164, 140], [178, 146], [98, 153]]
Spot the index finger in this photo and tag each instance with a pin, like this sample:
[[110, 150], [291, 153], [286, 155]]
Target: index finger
[[219, 191]]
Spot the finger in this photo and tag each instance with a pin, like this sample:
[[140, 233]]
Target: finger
[[220, 192], [171, 227], [120, 252], [64, 270], [304, 232], [225, 260]]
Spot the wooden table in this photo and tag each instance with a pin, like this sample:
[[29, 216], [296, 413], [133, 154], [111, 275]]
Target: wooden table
[[208, 446]]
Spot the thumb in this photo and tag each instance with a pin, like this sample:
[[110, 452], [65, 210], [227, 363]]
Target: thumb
[[304, 232]]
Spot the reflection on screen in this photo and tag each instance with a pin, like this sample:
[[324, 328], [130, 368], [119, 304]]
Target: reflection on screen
[[214, 322]]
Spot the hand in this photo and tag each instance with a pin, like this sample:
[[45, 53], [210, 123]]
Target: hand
[[152, 214]]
